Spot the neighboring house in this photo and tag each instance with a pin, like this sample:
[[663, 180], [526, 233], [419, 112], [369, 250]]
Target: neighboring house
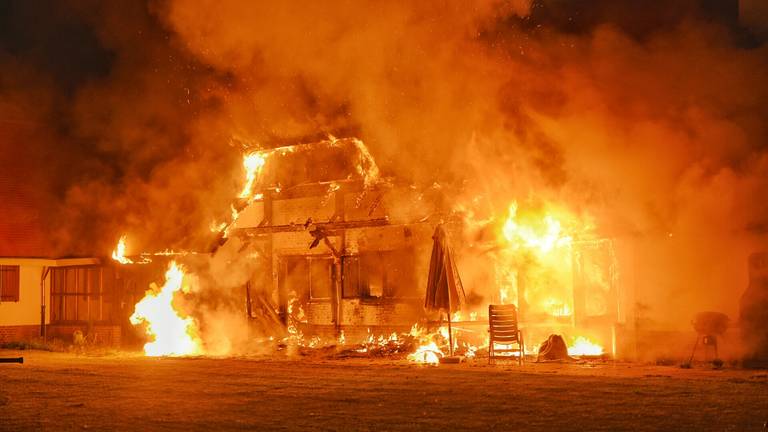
[[52, 298], [19, 313]]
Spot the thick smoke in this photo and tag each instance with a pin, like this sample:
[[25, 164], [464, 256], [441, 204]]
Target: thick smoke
[[653, 127], [127, 146], [655, 132]]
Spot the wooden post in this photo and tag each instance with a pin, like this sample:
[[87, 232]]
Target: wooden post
[[43, 302], [338, 282], [450, 334], [450, 331], [248, 306]]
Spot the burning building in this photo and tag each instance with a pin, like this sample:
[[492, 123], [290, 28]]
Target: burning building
[[341, 249], [334, 250]]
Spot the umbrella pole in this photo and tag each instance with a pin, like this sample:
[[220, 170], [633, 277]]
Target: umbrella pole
[[450, 331], [450, 335]]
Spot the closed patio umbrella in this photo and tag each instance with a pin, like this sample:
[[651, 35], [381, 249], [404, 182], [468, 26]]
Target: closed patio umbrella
[[444, 289]]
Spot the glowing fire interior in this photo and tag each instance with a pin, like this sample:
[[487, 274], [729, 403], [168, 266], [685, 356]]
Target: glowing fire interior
[[541, 238], [171, 334]]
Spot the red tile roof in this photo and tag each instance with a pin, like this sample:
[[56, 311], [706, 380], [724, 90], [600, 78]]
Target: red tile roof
[[22, 231]]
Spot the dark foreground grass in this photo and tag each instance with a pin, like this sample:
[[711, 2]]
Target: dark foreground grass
[[126, 392]]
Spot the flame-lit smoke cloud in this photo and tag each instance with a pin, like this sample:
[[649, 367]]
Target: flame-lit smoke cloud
[[653, 124]]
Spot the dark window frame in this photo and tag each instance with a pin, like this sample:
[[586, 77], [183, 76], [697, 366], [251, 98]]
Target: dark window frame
[[10, 284], [356, 275], [66, 300], [308, 295]]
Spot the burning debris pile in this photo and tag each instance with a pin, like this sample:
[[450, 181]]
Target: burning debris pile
[[417, 346]]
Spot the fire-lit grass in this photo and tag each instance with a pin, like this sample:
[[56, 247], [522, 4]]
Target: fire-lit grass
[[67, 392]]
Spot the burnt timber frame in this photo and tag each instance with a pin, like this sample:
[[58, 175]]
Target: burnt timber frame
[[331, 228], [336, 226]]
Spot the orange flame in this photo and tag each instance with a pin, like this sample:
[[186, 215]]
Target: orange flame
[[584, 347], [253, 163], [119, 253], [540, 238], [427, 354], [543, 235], [172, 334]]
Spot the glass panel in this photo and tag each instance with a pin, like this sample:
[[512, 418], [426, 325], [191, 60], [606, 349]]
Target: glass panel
[[83, 280], [5, 283], [9, 283], [82, 308], [400, 276], [320, 278], [55, 281], [350, 287], [70, 308], [297, 276], [55, 308], [76, 293], [371, 275], [108, 283], [70, 282], [106, 309], [94, 306]]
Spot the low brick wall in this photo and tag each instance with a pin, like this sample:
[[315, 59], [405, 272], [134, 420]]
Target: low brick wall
[[18, 333], [388, 314], [352, 333], [104, 335]]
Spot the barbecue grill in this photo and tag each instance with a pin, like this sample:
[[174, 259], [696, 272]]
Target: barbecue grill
[[708, 326]]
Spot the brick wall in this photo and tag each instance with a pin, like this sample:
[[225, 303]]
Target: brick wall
[[319, 312], [355, 312], [16, 333], [105, 335], [353, 334]]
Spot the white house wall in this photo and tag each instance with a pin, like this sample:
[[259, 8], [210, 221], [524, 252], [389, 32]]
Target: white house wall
[[27, 310], [21, 320]]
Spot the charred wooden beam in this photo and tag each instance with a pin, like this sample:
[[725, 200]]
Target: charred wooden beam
[[325, 226], [338, 214], [326, 187]]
